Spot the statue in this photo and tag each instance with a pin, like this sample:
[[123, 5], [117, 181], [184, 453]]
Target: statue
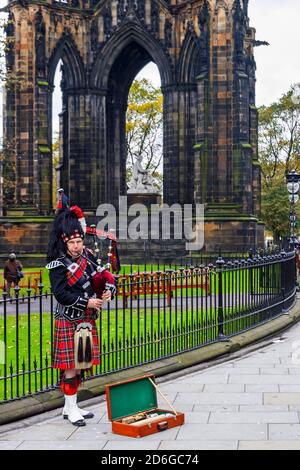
[[168, 33], [239, 35], [154, 16], [121, 10], [107, 22], [203, 20], [40, 43], [142, 180], [9, 49], [141, 10], [94, 35]]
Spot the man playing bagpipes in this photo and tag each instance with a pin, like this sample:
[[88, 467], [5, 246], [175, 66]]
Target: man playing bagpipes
[[81, 287]]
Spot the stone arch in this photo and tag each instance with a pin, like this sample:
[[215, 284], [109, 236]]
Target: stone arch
[[67, 51], [188, 66], [210, 121], [130, 33], [112, 74], [74, 81]]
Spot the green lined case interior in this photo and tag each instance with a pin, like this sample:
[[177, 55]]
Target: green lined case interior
[[131, 398]]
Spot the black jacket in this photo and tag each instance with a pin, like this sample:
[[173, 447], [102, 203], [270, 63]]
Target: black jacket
[[71, 300]]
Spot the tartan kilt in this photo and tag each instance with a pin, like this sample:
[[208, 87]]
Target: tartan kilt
[[63, 348]]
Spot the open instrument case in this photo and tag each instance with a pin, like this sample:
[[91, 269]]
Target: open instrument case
[[132, 408]]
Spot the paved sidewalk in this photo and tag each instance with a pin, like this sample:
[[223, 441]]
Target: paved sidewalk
[[250, 402]]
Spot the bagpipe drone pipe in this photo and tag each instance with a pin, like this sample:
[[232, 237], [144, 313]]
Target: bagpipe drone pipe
[[104, 280]]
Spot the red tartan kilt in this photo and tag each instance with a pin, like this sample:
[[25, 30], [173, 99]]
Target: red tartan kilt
[[63, 349]]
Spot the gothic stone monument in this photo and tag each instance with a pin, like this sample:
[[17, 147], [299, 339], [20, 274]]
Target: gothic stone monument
[[204, 52]]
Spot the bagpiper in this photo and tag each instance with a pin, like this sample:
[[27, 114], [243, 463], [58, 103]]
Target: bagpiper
[[74, 274]]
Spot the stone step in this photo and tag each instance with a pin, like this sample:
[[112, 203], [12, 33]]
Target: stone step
[[21, 211]]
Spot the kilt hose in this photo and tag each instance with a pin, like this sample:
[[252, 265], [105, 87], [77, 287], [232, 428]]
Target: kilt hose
[[63, 348]]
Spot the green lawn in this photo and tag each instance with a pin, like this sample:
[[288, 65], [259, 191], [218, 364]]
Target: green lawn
[[233, 282], [125, 330], [133, 336]]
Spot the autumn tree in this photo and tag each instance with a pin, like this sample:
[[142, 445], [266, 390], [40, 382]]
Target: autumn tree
[[276, 206], [279, 152], [144, 128], [279, 137]]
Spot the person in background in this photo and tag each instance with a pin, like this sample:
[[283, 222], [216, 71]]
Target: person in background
[[11, 268], [63, 200]]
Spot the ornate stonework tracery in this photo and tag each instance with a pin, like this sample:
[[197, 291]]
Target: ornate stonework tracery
[[204, 52]]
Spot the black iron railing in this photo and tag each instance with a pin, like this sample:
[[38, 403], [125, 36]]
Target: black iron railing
[[155, 315]]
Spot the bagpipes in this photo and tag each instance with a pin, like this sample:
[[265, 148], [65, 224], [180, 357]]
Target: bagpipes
[[104, 280]]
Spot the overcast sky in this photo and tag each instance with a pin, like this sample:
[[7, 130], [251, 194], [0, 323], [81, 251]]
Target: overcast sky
[[278, 65]]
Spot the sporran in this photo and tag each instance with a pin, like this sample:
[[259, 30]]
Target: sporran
[[83, 346]]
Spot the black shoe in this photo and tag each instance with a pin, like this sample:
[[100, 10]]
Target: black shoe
[[79, 423], [88, 416]]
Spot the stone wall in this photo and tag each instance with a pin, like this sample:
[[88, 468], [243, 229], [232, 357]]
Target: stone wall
[[204, 52]]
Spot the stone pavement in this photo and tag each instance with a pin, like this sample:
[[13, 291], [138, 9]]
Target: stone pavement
[[246, 402]]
